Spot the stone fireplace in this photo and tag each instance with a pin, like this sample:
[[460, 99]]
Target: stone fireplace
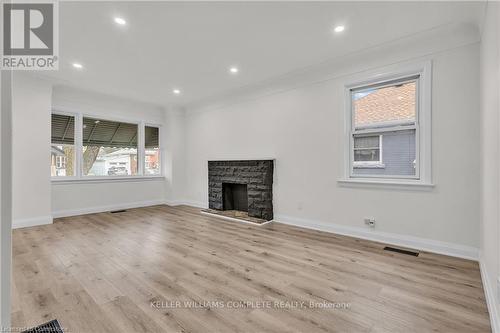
[[245, 186]]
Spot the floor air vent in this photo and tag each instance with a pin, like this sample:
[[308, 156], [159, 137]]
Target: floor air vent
[[393, 249], [50, 327], [118, 211]]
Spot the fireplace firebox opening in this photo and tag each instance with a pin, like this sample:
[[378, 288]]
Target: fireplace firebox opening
[[235, 197]]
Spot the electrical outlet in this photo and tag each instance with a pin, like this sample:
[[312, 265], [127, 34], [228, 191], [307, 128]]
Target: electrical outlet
[[370, 222]]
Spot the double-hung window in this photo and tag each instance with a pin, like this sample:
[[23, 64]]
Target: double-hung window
[[389, 129], [88, 147]]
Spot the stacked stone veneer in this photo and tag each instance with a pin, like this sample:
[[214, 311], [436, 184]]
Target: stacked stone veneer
[[256, 174]]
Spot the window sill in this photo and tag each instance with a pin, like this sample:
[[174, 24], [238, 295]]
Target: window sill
[[386, 183], [104, 179], [369, 166]]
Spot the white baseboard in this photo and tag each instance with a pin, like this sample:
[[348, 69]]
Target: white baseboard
[[491, 302], [31, 222], [450, 249], [107, 208]]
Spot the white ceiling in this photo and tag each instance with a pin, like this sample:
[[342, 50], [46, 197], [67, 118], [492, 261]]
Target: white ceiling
[[191, 45]]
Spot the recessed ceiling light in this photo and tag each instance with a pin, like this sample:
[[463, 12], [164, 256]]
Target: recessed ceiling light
[[234, 70], [120, 21], [339, 28], [77, 65], [176, 91]]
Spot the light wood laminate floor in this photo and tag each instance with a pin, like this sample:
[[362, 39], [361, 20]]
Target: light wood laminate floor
[[140, 271]]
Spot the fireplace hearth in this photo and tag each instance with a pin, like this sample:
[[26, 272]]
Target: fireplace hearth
[[245, 186]]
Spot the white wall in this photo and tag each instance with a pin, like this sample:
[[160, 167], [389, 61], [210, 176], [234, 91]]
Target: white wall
[[174, 153], [36, 200], [31, 103], [301, 126], [78, 198], [5, 196], [490, 166], [84, 198]]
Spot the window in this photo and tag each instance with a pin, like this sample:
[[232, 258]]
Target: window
[[152, 152], [389, 122], [89, 147], [385, 116], [388, 108], [61, 162], [109, 148], [62, 151]]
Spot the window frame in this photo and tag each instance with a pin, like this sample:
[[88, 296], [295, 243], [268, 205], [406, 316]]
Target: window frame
[[78, 156], [389, 77]]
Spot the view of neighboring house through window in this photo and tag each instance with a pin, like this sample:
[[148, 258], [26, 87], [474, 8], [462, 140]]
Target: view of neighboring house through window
[[109, 148], [384, 129], [62, 153], [84, 147], [152, 151], [61, 162], [367, 150]]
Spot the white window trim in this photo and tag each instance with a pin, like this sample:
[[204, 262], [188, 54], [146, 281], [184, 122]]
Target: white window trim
[[77, 162], [422, 125]]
